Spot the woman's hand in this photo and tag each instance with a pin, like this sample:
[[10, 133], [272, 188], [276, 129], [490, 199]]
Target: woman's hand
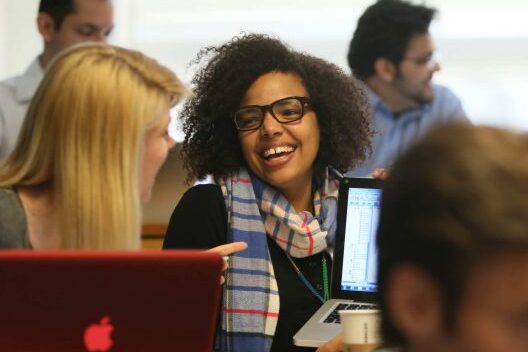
[[227, 249], [334, 345]]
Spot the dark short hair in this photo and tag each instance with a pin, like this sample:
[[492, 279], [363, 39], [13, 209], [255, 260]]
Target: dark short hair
[[211, 144], [57, 10], [457, 199], [384, 31]]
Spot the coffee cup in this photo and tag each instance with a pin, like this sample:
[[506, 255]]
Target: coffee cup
[[361, 330]]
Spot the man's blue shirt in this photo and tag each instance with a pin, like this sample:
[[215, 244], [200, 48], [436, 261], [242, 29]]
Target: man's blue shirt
[[394, 135]]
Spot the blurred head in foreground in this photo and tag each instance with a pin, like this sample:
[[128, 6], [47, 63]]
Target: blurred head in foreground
[[453, 243]]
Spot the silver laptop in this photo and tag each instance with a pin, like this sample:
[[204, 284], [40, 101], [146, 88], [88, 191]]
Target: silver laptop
[[353, 283]]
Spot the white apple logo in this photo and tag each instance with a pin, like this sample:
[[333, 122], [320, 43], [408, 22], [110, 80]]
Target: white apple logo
[[97, 336]]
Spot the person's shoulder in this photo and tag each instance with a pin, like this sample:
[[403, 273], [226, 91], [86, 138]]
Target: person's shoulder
[[202, 198], [21, 87], [446, 105], [8, 95], [8, 87], [12, 220], [9, 203], [7, 195], [203, 192], [199, 220], [443, 94]]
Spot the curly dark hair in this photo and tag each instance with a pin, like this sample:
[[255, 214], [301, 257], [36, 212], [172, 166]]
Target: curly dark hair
[[211, 144], [384, 31]]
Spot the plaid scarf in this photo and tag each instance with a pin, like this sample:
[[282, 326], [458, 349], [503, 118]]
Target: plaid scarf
[[251, 298]]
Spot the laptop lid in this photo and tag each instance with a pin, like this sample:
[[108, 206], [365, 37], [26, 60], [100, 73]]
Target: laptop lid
[[354, 267], [102, 301]]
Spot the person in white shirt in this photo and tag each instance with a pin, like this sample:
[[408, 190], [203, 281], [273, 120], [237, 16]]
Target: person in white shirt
[[61, 23]]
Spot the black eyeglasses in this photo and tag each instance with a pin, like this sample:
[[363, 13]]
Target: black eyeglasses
[[286, 110]]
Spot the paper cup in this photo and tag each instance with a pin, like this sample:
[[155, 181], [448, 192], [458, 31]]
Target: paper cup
[[361, 330]]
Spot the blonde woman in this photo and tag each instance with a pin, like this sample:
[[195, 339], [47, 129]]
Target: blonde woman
[[94, 137]]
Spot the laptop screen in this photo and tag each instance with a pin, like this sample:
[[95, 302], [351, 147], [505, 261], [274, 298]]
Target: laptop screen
[[360, 253], [354, 267]]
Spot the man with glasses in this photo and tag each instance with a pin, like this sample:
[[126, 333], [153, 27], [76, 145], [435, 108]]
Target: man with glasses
[[392, 52], [61, 23]]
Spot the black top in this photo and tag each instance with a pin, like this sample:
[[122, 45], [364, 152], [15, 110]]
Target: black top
[[200, 221]]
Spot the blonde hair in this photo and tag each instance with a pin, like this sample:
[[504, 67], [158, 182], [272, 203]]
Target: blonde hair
[[83, 137]]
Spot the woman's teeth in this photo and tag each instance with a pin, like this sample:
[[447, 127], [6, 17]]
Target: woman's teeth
[[278, 150]]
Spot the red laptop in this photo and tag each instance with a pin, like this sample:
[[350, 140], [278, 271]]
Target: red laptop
[[108, 301]]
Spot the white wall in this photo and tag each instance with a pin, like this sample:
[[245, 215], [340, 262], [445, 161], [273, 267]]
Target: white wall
[[483, 43], [19, 39]]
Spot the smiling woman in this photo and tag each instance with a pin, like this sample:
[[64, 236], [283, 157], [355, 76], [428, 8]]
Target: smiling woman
[[282, 152], [266, 122]]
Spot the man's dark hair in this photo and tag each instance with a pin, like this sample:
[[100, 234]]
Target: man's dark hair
[[384, 31], [211, 145], [57, 10], [457, 199]]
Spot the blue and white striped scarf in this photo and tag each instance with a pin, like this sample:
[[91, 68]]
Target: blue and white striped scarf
[[251, 299]]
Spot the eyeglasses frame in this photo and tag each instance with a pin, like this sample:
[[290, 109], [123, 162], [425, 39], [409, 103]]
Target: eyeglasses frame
[[305, 102]]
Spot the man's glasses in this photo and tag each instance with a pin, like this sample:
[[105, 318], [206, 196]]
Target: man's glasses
[[286, 110]]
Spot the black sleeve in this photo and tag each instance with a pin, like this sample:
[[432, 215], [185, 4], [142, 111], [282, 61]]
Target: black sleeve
[[199, 220]]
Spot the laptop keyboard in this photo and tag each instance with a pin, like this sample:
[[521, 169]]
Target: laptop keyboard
[[333, 317]]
